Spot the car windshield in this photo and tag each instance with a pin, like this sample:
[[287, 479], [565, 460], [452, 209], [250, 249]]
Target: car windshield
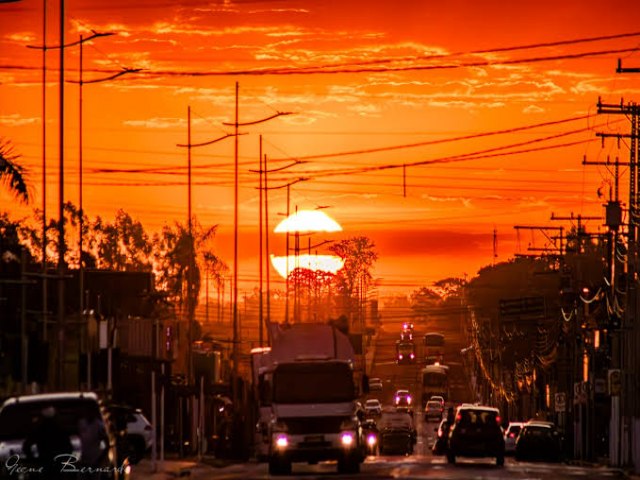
[[478, 418], [17, 419], [313, 383]]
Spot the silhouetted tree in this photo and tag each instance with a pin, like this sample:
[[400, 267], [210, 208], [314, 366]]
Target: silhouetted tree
[[12, 174]]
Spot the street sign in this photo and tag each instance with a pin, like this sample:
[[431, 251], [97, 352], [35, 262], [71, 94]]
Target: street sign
[[580, 390], [560, 401], [615, 382], [524, 306]]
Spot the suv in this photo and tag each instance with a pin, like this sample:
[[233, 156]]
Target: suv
[[476, 432], [81, 417]]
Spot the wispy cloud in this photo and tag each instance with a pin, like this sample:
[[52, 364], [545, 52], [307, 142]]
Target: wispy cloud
[[16, 120]]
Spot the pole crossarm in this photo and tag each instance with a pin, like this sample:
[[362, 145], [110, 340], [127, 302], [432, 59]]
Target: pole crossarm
[[255, 122], [124, 71], [73, 44], [298, 180], [279, 169], [210, 142], [622, 69]]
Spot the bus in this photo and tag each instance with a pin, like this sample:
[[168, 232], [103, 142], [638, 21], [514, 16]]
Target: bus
[[405, 352], [434, 348], [435, 381]]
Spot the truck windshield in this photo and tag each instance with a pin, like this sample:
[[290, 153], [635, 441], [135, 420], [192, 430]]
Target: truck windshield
[[313, 383]]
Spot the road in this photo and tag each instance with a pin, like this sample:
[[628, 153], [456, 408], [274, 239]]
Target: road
[[418, 467]]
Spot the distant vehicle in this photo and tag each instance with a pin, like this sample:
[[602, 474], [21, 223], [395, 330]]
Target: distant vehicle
[[18, 415], [406, 335], [375, 384], [402, 397], [372, 407], [435, 381], [405, 352], [139, 431], [440, 445], [434, 348], [438, 398], [539, 441], [407, 326], [433, 409], [511, 435], [397, 433], [476, 432]]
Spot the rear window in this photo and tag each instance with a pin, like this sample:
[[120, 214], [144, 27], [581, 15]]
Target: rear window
[[17, 419], [478, 418], [434, 404], [515, 429], [536, 432]]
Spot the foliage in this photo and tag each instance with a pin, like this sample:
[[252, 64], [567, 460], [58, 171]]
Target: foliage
[[359, 256], [424, 300], [12, 174]]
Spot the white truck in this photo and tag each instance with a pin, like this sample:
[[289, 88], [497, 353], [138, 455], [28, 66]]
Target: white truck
[[310, 391]]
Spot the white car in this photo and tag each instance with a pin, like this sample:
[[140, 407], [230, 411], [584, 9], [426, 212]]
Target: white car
[[511, 435], [375, 384], [433, 409], [373, 407], [139, 429]]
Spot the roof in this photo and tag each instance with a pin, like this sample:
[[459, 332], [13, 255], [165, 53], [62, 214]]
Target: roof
[[479, 407], [44, 397]]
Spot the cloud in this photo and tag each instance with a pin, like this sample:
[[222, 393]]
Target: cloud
[[532, 109], [15, 120], [157, 123], [22, 37]]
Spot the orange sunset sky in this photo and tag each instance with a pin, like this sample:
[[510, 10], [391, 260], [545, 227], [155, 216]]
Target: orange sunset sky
[[373, 86]]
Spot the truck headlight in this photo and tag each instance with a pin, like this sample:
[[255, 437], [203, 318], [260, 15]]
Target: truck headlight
[[282, 441], [347, 439]]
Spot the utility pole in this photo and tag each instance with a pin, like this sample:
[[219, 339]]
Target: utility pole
[[61, 241], [625, 407], [260, 314]]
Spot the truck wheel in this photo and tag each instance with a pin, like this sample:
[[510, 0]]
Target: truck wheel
[[348, 466], [279, 467]]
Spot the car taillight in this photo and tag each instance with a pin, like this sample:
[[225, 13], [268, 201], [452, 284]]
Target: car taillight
[[498, 419], [459, 417], [412, 356], [400, 356], [512, 435]]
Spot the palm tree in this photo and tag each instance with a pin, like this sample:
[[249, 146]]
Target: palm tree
[[12, 174]]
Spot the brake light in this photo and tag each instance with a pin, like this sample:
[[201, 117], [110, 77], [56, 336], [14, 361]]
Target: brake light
[[498, 419], [400, 356], [458, 417], [412, 356], [512, 435]]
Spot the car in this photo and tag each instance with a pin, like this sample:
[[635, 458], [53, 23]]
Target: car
[[539, 440], [442, 437], [397, 435], [402, 397], [372, 407], [375, 384], [511, 435], [438, 398], [406, 335], [433, 409], [476, 432], [139, 432], [82, 419]]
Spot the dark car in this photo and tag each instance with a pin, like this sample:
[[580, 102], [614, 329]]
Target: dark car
[[397, 433], [539, 441], [82, 428], [476, 432]]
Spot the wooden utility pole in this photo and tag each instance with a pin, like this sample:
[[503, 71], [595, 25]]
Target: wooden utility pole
[[625, 406]]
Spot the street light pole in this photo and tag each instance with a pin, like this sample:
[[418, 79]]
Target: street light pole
[[61, 242]]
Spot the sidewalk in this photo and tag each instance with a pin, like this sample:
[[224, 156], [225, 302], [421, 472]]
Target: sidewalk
[[174, 468]]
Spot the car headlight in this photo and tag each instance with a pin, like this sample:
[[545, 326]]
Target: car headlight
[[282, 441], [347, 439]]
